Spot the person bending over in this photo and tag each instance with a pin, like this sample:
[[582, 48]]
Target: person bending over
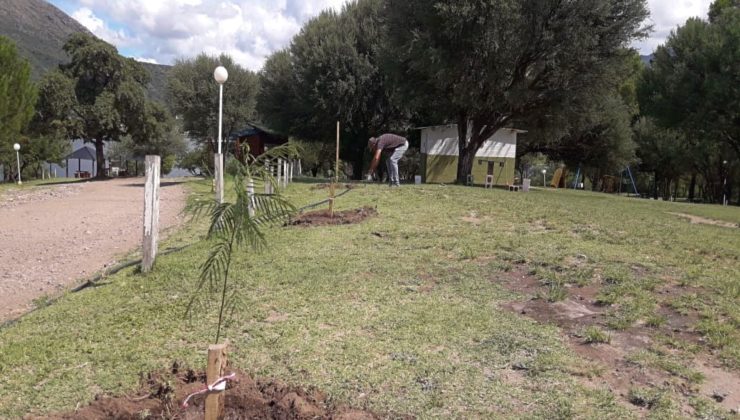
[[394, 147]]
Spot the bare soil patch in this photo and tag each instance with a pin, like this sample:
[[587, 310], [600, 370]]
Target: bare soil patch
[[621, 372], [704, 221], [326, 186], [472, 218], [161, 396], [54, 236], [324, 218], [20, 197]]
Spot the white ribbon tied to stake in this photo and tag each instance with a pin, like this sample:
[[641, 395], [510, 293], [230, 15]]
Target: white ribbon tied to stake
[[218, 385]]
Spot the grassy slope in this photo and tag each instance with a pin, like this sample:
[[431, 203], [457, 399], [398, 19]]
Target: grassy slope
[[405, 322]]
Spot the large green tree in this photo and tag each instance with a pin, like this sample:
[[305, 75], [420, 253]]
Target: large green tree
[[491, 61], [590, 129], [693, 86], [17, 98], [193, 95], [333, 71], [662, 152], [99, 96]]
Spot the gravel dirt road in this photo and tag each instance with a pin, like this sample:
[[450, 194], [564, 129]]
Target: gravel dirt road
[[51, 238]]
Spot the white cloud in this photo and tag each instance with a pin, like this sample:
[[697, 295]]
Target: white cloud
[[97, 26], [666, 15], [146, 60], [248, 30]]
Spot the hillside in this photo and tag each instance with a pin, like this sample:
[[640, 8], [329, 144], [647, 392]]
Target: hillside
[[40, 30], [647, 59]]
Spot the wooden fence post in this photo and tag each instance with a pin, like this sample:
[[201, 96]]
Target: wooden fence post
[[286, 178], [219, 173], [151, 213], [215, 369], [280, 172], [250, 195], [268, 170]]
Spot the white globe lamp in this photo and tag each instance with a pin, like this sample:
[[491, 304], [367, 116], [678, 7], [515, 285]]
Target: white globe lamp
[[221, 75]]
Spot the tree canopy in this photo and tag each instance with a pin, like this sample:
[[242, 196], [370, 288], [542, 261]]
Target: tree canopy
[[333, 71], [98, 96], [17, 98], [193, 95], [693, 86], [492, 61]]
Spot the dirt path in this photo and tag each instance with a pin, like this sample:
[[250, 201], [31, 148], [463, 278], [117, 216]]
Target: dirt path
[[52, 237], [704, 221]]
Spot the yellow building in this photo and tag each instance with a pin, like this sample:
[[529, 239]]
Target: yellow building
[[439, 153]]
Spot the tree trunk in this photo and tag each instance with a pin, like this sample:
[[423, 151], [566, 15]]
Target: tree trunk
[[100, 156], [692, 187], [464, 163], [595, 182], [655, 185], [359, 163]]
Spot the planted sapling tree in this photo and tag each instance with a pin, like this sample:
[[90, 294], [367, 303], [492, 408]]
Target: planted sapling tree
[[237, 226]]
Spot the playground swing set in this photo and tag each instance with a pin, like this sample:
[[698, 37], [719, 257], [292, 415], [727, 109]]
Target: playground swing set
[[609, 183]]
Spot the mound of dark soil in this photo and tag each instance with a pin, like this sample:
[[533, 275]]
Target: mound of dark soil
[[339, 186], [161, 396], [324, 218]]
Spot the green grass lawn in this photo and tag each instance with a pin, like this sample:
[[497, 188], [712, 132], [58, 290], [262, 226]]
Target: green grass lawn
[[404, 313]]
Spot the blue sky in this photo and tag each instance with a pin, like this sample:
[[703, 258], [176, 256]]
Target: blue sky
[[162, 31]]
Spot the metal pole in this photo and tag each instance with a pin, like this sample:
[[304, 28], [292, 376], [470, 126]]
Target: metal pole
[[219, 157], [632, 178], [724, 190], [18, 159], [220, 114]]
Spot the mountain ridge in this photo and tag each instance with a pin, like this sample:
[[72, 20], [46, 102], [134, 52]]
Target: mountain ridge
[[40, 29]]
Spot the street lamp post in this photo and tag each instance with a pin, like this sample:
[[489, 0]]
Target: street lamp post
[[724, 183], [17, 148], [221, 75], [544, 182]]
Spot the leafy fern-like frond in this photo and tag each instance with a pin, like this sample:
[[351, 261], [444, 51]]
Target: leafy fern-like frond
[[234, 225]]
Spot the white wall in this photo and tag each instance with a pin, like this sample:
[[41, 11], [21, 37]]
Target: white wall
[[442, 140]]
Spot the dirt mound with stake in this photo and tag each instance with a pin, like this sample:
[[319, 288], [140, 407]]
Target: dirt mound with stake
[[324, 218], [161, 396]]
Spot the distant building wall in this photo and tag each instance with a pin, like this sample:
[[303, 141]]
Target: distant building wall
[[497, 156]]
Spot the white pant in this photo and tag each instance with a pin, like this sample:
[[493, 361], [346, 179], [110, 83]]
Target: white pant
[[392, 163]]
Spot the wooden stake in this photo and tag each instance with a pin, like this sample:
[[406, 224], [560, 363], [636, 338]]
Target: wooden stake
[[215, 369], [333, 184], [151, 213], [336, 172]]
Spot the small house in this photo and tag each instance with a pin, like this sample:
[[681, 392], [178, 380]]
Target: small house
[[258, 138], [439, 154]]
